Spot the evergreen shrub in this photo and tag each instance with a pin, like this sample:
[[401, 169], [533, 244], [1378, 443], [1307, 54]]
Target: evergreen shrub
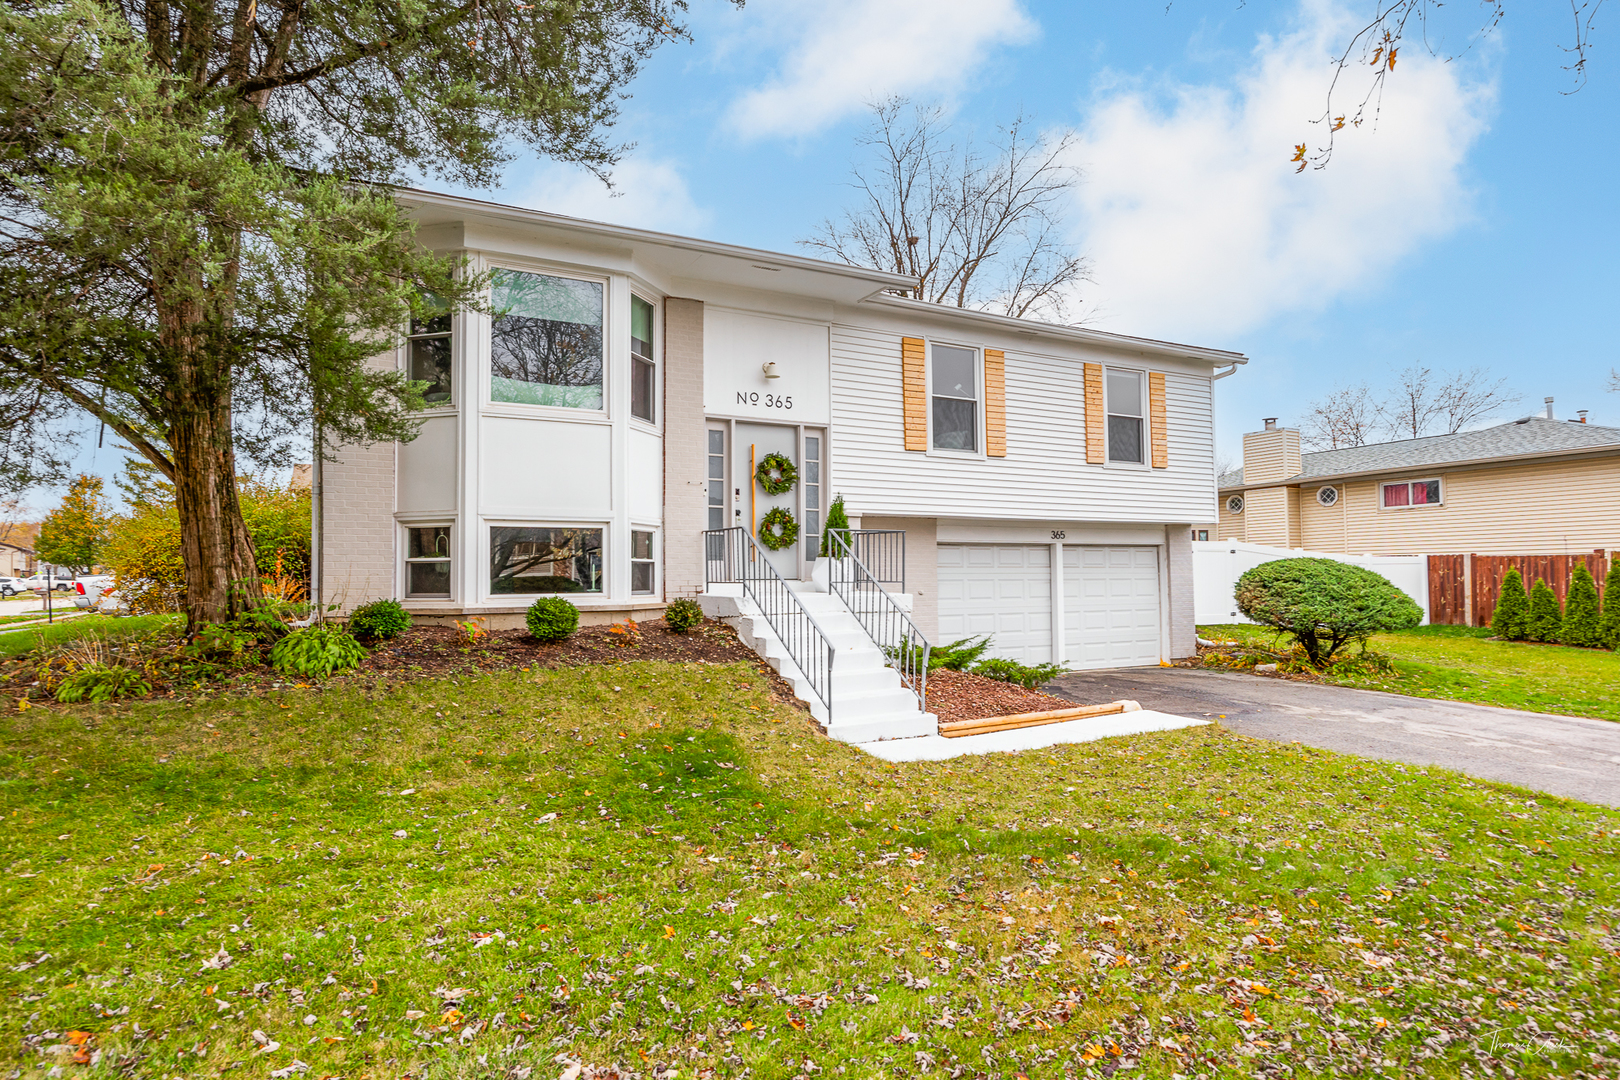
[[1511, 619], [551, 618], [1581, 612], [1609, 621], [683, 614], [1324, 604], [380, 620], [1546, 616]]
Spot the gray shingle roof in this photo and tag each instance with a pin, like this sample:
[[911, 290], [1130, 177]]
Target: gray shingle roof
[[1532, 435]]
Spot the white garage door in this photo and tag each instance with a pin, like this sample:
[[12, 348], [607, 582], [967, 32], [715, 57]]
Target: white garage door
[[1004, 590], [1111, 606]]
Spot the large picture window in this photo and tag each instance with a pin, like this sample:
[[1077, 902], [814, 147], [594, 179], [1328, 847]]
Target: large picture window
[[1125, 421], [955, 392], [429, 347], [427, 562], [546, 341], [525, 559], [643, 383]]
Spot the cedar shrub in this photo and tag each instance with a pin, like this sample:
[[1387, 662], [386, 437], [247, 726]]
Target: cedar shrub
[[1609, 621], [1581, 611], [1511, 619], [1546, 615]]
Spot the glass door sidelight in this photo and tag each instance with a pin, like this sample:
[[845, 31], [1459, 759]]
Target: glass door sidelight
[[811, 483], [718, 503]]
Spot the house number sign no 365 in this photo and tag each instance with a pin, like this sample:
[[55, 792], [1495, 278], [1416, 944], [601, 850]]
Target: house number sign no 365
[[770, 401]]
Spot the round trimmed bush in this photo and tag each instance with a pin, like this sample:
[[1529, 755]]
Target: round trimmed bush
[[316, 652], [1324, 604], [683, 614], [551, 618], [380, 620]]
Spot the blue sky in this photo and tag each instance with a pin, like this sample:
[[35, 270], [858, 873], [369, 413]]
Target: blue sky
[[1475, 224]]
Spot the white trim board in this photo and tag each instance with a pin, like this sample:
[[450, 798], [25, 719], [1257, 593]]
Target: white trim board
[[939, 748]]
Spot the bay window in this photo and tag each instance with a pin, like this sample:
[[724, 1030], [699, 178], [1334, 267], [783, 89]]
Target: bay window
[[530, 559], [427, 562], [643, 383], [429, 356]]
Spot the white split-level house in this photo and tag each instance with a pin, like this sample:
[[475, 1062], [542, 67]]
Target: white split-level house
[[1034, 482]]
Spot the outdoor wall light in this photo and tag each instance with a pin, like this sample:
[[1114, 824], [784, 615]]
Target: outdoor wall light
[[769, 368]]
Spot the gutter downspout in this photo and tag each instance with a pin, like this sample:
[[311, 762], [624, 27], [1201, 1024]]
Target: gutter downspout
[[316, 530], [1223, 374]]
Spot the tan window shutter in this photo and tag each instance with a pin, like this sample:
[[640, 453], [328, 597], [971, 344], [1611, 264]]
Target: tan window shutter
[[1156, 414], [995, 403], [914, 391], [1096, 418]]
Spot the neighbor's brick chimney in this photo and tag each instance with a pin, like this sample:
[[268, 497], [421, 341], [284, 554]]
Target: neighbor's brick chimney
[[1271, 513]]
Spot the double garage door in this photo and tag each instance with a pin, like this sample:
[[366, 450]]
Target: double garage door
[[1110, 602]]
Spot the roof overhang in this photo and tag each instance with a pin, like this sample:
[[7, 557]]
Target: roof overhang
[[1473, 465], [1056, 332], [666, 254]]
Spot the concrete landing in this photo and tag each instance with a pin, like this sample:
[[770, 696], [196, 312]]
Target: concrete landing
[[939, 748]]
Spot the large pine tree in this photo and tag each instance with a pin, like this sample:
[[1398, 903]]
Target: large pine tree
[[194, 246]]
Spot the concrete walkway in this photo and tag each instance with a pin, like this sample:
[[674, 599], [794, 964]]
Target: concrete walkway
[[1561, 755], [939, 748]]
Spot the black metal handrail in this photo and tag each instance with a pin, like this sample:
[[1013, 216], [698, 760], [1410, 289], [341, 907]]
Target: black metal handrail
[[883, 619], [735, 556], [883, 553]]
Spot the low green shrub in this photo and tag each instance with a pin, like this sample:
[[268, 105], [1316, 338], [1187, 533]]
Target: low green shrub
[[1581, 614], [380, 620], [1511, 617], [1014, 672], [226, 646], [1546, 616], [101, 683], [1324, 604], [316, 652], [551, 618], [683, 614], [958, 655]]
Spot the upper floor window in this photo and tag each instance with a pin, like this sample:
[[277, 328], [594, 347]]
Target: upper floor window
[[1125, 416], [546, 341], [1412, 493], [429, 345], [954, 389], [643, 384]]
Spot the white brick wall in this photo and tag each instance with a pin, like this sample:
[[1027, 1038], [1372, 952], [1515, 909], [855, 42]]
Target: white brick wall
[[922, 567], [685, 449], [1183, 628], [359, 556]]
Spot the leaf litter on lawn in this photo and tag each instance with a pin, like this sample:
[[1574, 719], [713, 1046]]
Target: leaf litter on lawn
[[651, 869]]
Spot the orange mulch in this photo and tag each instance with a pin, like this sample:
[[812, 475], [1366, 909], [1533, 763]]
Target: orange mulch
[[955, 696]]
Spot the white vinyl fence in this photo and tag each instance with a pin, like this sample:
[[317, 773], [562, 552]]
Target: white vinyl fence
[[1218, 564]]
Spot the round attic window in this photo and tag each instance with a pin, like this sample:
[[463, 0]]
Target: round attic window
[[1327, 496], [1234, 505]]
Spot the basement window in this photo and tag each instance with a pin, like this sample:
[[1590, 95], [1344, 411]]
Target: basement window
[[1411, 493]]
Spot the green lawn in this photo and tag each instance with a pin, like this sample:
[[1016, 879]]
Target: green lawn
[[1458, 663], [656, 867], [20, 641]]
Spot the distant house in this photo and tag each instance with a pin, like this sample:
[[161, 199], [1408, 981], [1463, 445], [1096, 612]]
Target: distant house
[[1535, 486], [17, 558]]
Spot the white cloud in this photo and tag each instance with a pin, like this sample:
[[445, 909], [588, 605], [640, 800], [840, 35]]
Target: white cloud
[[842, 53], [648, 193], [1198, 227]]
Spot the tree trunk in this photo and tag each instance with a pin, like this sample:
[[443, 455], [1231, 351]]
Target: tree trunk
[[221, 570]]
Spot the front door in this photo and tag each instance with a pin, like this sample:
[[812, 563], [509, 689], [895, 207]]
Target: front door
[[752, 443]]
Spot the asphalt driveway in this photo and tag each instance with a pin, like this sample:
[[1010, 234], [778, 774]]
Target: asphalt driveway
[[1561, 755]]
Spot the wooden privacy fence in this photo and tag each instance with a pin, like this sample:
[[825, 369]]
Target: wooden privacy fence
[[1463, 588]]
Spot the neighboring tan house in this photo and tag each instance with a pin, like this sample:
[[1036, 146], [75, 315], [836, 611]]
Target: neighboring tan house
[[1536, 486], [600, 437], [17, 558]]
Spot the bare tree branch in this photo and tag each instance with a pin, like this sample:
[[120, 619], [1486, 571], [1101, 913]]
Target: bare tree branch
[[979, 231], [1349, 416], [1469, 397]]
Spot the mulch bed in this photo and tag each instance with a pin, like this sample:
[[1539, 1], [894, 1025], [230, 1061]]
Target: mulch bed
[[437, 651], [955, 696]]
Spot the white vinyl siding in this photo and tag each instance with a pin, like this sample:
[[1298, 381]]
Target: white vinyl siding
[[1004, 590], [1044, 476], [1111, 606]]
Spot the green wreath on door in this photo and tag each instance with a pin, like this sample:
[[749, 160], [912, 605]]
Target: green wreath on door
[[776, 474], [777, 529]]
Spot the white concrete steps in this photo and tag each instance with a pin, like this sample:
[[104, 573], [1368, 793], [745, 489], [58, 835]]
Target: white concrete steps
[[869, 700]]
